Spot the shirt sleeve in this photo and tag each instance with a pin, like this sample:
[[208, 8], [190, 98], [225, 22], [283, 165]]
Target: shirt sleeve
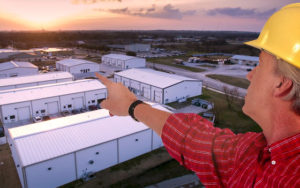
[[196, 144]]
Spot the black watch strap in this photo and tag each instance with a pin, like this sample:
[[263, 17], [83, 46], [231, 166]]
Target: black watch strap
[[132, 107]]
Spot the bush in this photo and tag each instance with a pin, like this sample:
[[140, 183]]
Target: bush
[[130, 53]]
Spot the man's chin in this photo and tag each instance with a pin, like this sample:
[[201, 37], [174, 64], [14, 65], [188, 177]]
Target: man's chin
[[244, 109]]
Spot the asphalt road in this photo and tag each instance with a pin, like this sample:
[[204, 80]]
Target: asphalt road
[[208, 82]]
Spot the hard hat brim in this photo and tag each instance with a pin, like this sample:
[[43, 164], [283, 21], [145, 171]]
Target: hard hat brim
[[254, 43]]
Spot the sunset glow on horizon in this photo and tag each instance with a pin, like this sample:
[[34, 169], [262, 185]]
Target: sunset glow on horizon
[[235, 15]]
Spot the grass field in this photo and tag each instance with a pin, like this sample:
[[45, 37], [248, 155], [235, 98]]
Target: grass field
[[170, 62], [226, 117], [239, 82]]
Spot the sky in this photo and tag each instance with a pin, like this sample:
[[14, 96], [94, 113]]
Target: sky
[[229, 15]]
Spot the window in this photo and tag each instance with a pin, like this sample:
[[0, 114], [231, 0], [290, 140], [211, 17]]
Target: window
[[12, 117], [43, 111], [93, 101], [70, 106]]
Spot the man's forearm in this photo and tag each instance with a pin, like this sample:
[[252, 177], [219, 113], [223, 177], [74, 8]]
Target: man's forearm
[[152, 117]]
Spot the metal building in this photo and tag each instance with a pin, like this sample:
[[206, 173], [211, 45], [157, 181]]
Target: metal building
[[138, 47], [159, 86], [17, 68], [34, 80], [123, 61], [25, 103], [78, 67], [245, 60], [59, 151]]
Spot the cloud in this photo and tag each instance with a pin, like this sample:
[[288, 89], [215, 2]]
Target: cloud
[[240, 12], [166, 12], [76, 2]]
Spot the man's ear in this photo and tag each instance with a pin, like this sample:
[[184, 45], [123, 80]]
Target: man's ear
[[283, 87]]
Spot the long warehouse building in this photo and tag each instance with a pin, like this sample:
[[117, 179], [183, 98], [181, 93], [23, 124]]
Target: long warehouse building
[[59, 151], [17, 68], [123, 61], [25, 103], [34, 80], [159, 86], [78, 67]]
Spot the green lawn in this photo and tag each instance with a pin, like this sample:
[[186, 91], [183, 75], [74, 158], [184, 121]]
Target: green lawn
[[239, 82], [170, 62], [168, 170], [226, 117], [232, 117]]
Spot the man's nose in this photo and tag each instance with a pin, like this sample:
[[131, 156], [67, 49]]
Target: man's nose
[[250, 74]]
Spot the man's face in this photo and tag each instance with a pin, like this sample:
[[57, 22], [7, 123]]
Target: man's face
[[260, 91]]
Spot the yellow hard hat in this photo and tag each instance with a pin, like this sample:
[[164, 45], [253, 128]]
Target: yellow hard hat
[[281, 35]]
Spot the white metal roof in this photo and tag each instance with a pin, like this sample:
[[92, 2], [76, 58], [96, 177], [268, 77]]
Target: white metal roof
[[46, 91], [74, 62], [120, 57], [34, 78], [245, 57], [16, 64], [152, 77], [46, 140]]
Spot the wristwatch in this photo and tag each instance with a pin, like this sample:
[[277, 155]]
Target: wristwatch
[[132, 107]]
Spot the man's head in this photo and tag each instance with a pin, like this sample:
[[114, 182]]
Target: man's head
[[276, 80]]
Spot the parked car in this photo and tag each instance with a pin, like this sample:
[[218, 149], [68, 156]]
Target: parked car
[[45, 118], [75, 111], [37, 119], [209, 115], [202, 103], [65, 113], [92, 107], [82, 110]]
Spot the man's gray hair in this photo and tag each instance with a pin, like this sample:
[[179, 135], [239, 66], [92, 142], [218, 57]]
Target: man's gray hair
[[293, 73]]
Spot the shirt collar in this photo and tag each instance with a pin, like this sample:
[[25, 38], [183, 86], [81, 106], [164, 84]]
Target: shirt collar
[[285, 148]]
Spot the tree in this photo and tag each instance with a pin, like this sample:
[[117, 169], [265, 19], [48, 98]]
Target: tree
[[232, 96], [130, 53]]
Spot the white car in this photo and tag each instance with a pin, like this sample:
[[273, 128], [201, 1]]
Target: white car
[[37, 119]]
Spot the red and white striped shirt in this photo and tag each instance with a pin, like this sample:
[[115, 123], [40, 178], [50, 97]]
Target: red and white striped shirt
[[221, 158]]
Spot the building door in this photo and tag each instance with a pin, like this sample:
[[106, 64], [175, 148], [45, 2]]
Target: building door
[[146, 92], [23, 113], [52, 107], [157, 96], [78, 102]]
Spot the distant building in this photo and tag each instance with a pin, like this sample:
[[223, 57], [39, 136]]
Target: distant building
[[17, 105], [34, 80], [159, 86], [6, 53], [123, 61], [55, 152], [61, 52], [154, 40], [78, 67], [138, 47], [17, 68], [245, 60], [80, 42], [25, 56]]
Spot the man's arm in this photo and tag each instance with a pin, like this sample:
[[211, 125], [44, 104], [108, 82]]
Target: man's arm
[[120, 98]]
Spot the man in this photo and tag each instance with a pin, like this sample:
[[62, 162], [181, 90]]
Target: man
[[219, 157]]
